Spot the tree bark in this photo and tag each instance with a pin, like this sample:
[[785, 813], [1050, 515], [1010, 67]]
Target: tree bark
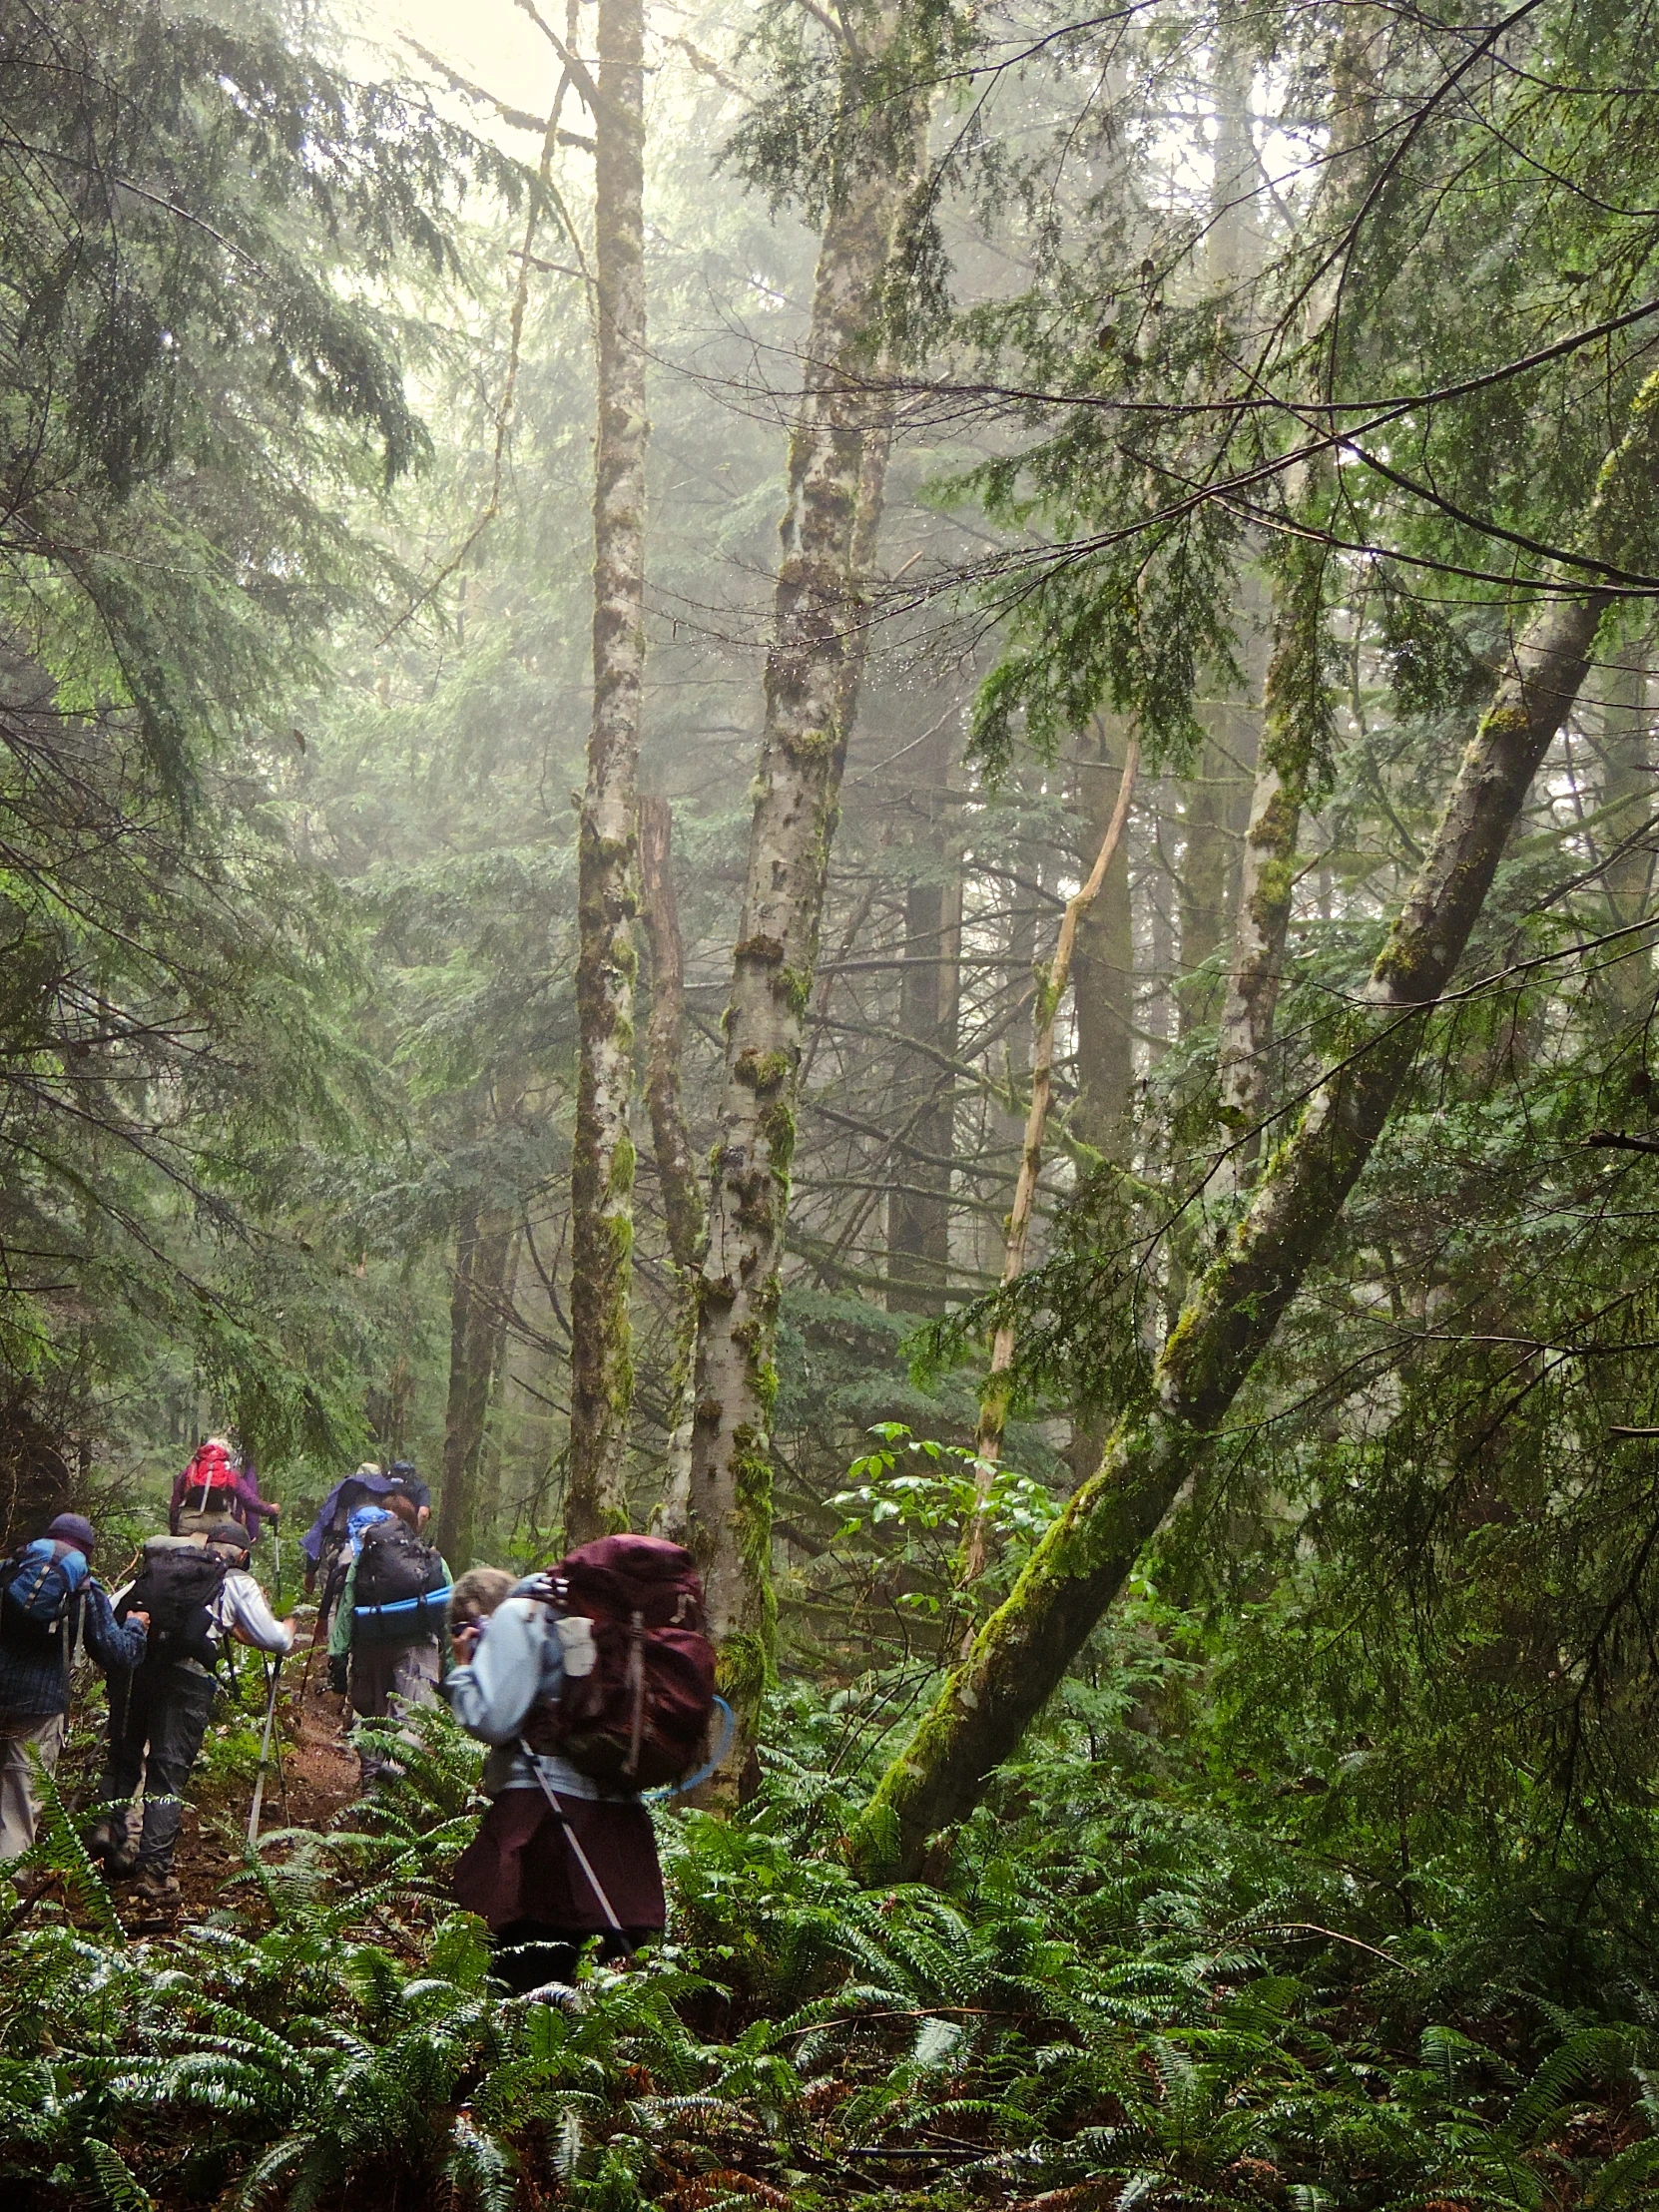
[[602, 1159], [1103, 1001], [487, 1489], [1217, 803], [1282, 763], [1022, 1652], [664, 1034], [1265, 890], [483, 1245], [1103, 990], [995, 1393], [919, 1210], [1625, 807], [676, 1163], [838, 462]]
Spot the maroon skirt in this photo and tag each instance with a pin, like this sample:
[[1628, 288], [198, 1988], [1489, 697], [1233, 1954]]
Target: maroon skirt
[[520, 1867]]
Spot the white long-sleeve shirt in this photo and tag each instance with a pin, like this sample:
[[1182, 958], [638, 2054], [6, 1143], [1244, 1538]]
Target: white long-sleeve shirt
[[240, 1609]]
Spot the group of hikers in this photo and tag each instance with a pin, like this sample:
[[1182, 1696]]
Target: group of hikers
[[590, 1683]]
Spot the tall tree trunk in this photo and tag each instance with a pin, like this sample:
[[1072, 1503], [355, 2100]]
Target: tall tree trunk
[[1285, 757], [1216, 800], [838, 464], [454, 1507], [1103, 1000], [1218, 804], [995, 1392], [1625, 809], [601, 1158], [676, 1163], [483, 1241], [1080, 1566], [487, 1517], [1104, 966], [1266, 889], [918, 1207]]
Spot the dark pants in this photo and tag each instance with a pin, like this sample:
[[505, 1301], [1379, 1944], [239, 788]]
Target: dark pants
[[158, 1717], [526, 1953]]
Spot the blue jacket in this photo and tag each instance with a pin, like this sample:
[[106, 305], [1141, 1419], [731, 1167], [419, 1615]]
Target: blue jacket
[[35, 1684]]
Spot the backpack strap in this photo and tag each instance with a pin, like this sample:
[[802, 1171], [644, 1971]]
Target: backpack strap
[[691, 1781]]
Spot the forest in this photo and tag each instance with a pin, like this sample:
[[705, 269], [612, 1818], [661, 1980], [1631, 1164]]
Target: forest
[[872, 783]]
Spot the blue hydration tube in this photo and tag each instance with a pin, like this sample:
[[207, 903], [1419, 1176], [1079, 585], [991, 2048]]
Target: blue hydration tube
[[679, 1789]]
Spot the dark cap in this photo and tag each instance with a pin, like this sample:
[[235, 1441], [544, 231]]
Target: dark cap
[[76, 1529], [231, 1534]]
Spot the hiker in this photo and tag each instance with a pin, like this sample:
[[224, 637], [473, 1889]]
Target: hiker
[[476, 1596], [389, 1617], [328, 1552], [324, 1542], [589, 1683], [195, 1595], [49, 1604], [214, 1487], [402, 1473]]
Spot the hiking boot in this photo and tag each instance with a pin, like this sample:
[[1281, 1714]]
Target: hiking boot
[[110, 1851], [156, 1895]]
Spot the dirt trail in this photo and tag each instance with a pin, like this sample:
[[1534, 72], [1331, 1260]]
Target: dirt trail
[[315, 1781]]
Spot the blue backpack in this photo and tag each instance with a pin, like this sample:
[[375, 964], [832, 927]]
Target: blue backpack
[[40, 1585]]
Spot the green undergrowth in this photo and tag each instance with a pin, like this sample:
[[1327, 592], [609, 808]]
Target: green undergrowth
[[1112, 2000]]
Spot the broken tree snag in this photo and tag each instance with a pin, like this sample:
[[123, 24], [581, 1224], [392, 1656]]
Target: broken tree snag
[[993, 1395], [677, 1171], [1231, 1313], [837, 465], [601, 1157]]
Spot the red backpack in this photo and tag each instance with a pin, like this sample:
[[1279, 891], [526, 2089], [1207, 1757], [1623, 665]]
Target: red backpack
[[639, 1716], [210, 1482]]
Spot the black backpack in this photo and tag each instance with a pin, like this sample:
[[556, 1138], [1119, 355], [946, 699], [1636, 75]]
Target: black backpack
[[176, 1586], [402, 1587]]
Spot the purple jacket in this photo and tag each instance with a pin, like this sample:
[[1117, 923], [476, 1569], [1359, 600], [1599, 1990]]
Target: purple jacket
[[252, 1508]]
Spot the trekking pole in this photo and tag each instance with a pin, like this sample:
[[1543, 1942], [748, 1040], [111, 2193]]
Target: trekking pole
[[311, 1654], [264, 1752], [330, 1585]]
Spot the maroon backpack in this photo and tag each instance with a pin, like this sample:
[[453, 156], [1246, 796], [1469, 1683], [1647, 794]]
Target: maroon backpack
[[638, 1718]]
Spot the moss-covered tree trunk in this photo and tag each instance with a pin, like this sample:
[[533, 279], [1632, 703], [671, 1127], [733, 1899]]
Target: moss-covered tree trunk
[[1231, 1313], [1291, 704], [1260, 929], [837, 460], [1103, 997], [1624, 811], [677, 1172], [601, 1158], [1103, 966]]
